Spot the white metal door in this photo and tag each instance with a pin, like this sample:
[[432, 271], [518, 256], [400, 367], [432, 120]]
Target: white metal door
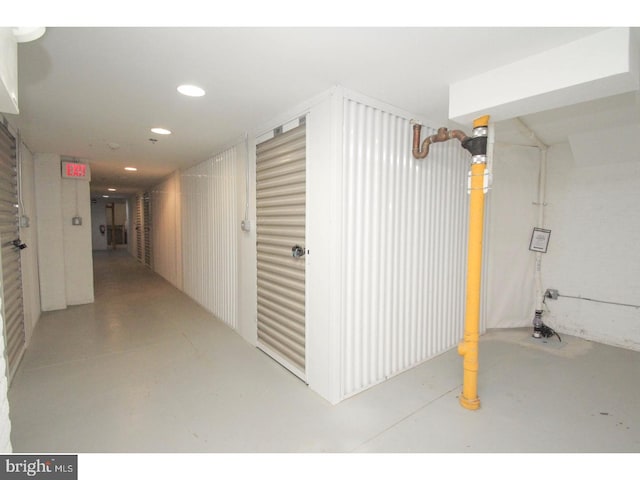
[[11, 291], [280, 203]]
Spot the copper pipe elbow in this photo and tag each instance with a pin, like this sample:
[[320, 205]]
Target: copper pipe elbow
[[419, 151], [460, 135]]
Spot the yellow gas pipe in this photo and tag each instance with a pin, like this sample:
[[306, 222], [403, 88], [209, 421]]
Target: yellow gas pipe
[[477, 145], [468, 348]]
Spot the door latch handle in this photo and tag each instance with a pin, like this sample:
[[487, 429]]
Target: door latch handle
[[18, 243], [297, 251]]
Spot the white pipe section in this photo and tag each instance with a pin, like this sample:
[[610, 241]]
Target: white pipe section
[[246, 224], [542, 186]]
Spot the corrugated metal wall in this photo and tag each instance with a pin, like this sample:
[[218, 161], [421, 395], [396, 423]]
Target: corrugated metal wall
[[139, 229], [209, 235], [403, 247], [165, 231], [147, 220]]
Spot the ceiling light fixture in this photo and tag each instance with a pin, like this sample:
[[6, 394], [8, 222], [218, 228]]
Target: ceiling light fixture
[[105, 196], [161, 131], [131, 169], [111, 189], [191, 90], [28, 34]]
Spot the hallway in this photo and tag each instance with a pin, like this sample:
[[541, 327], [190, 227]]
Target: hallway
[[146, 369]]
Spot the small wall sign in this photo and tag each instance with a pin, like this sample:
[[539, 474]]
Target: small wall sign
[[539, 240]]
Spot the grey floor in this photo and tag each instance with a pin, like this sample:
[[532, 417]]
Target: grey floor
[[145, 369]]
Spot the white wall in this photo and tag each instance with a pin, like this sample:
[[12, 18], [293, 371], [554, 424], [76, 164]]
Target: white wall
[[202, 208], [594, 247], [5, 421], [247, 257], [512, 214], [48, 183], [66, 277], [78, 257], [166, 231], [99, 217], [592, 212], [403, 242], [29, 235], [210, 229]]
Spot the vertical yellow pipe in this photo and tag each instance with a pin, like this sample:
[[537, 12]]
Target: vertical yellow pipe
[[468, 348]]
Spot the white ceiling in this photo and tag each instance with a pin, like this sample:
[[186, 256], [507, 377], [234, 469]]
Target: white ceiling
[[81, 89]]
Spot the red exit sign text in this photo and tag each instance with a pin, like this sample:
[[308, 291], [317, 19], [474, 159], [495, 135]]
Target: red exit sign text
[[75, 170]]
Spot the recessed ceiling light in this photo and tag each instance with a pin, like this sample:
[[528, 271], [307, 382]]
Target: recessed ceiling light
[[131, 169], [28, 34], [191, 90], [161, 131], [111, 189]]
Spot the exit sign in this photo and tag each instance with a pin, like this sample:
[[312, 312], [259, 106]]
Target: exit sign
[[75, 170]]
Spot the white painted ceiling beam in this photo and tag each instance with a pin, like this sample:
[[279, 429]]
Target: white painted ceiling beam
[[592, 67]]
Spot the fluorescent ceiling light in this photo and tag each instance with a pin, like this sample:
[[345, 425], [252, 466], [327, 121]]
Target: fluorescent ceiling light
[[191, 90], [111, 189], [105, 196], [161, 131], [131, 169]]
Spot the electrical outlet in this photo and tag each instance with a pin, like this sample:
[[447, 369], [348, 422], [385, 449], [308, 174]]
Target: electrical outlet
[[551, 293]]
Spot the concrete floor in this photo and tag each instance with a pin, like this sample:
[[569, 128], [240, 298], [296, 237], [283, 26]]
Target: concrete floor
[[145, 369]]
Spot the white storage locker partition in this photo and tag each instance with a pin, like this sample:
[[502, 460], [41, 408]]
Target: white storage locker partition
[[386, 244], [404, 227], [210, 227], [139, 229]]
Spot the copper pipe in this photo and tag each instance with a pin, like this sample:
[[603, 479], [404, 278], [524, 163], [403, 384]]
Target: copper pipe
[[459, 134], [443, 134]]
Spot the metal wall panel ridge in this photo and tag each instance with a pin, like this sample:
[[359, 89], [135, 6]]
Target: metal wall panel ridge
[[403, 237], [210, 226], [139, 229]]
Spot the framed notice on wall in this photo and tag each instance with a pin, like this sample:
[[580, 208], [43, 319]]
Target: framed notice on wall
[[539, 240]]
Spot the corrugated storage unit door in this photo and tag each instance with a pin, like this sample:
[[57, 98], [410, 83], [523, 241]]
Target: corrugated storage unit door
[[12, 306], [146, 211], [139, 227], [280, 202]]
